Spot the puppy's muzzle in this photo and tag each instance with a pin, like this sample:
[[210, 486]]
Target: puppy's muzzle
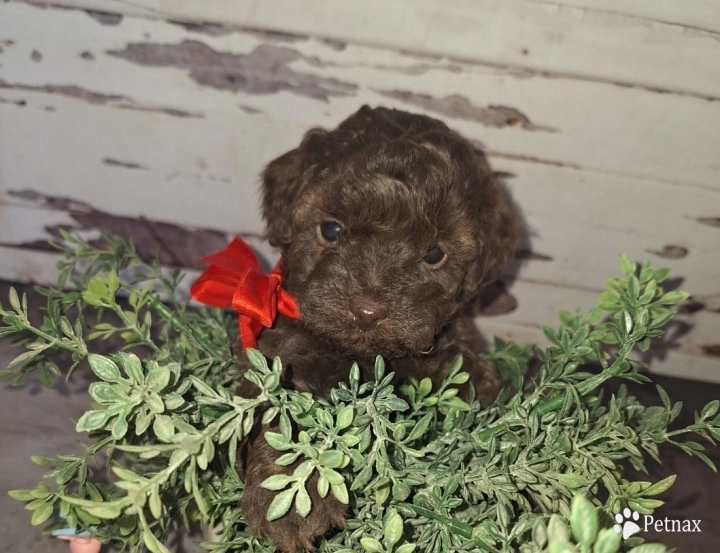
[[367, 313]]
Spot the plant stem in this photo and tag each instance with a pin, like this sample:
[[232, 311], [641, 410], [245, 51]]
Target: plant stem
[[583, 388], [455, 526], [179, 325], [134, 328]]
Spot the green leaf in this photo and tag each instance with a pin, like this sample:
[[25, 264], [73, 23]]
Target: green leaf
[[420, 428], [350, 440], [633, 288], [561, 547], [362, 478], [583, 521], [154, 402], [173, 401], [129, 475], [271, 381], [661, 274], [457, 404], [344, 417], [332, 476], [93, 420], [105, 510], [661, 319], [323, 487], [608, 541], [424, 388], [21, 495], [14, 300], [407, 547], [649, 548], [556, 530], [277, 441], [303, 504], [152, 543], [133, 367], [627, 265], [119, 427], [42, 461], [26, 356], [661, 486], [331, 459], [105, 393], [710, 409], [257, 360], [287, 459], [157, 378], [379, 368], [340, 492], [304, 469], [645, 506], [671, 298], [393, 528], [285, 427], [164, 428], [566, 318], [280, 504], [198, 496], [155, 503], [277, 482], [646, 272], [202, 387], [550, 335], [458, 379], [42, 514], [649, 292], [593, 316], [371, 545], [539, 533], [572, 481], [400, 490], [104, 368]]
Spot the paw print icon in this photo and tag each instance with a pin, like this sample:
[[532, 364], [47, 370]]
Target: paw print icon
[[627, 523]]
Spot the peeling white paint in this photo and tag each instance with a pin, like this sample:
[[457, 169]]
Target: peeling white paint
[[599, 110]]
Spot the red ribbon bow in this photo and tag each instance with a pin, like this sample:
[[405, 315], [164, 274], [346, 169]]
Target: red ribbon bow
[[234, 279]]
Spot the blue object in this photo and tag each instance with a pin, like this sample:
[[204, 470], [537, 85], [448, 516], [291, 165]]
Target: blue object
[[70, 532]]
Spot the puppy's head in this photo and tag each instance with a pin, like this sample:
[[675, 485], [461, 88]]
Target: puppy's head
[[388, 226]]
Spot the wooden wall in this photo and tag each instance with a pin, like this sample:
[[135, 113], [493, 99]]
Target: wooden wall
[[153, 118]]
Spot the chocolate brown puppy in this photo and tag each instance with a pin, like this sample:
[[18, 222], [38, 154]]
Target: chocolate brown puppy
[[388, 226]]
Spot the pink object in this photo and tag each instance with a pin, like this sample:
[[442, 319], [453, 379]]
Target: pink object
[[80, 544]]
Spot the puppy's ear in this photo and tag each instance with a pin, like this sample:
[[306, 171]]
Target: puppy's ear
[[283, 180], [498, 236]]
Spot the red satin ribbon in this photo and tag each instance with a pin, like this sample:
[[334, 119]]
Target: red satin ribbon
[[234, 279]]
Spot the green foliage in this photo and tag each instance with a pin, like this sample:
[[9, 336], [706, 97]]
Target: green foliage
[[420, 468], [585, 537]]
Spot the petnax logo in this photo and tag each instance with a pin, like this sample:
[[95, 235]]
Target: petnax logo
[[629, 524]]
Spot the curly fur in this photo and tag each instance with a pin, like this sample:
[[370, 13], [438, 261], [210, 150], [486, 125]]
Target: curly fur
[[398, 184]]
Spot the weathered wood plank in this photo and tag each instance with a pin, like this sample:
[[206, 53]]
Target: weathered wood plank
[[578, 221], [278, 87], [518, 33], [693, 14]]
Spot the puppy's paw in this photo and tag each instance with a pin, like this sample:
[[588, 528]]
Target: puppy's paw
[[291, 532]]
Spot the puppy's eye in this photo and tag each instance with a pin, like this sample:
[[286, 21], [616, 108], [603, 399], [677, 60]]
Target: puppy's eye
[[330, 232], [435, 257]]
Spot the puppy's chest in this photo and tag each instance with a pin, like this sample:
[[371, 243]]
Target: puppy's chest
[[310, 366]]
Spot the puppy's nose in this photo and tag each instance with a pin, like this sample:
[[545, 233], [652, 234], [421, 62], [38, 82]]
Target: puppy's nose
[[367, 313]]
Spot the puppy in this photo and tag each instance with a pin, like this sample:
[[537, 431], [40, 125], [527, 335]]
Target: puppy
[[388, 226]]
